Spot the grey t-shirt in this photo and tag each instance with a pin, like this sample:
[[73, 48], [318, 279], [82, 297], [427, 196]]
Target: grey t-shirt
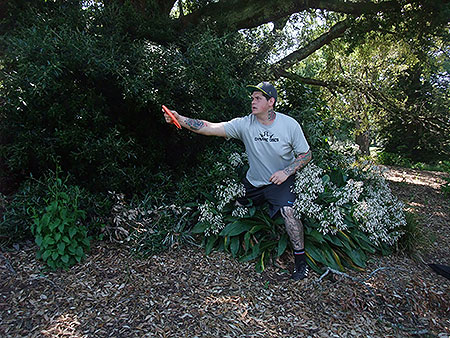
[[269, 148]]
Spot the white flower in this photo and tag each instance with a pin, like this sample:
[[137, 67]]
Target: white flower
[[240, 212], [235, 160]]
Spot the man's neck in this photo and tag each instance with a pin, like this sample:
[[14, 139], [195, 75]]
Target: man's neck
[[268, 117]]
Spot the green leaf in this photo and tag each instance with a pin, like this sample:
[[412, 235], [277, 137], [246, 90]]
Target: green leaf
[[53, 225], [256, 228], [357, 257], [57, 236], [235, 228], [247, 241], [46, 254], [45, 220], [234, 245], [79, 251], [210, 244], [55, 255], [66, 239], [72, 232], [38, 241], [48, 240], [61, 247], [317, 236], [51, 264], [282, 244], [65, 259], [254, 254], [315, 253], [346, 241], [61, 227], [333, 239], [199, 228]]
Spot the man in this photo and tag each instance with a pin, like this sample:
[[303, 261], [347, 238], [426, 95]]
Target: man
[[276, 149]]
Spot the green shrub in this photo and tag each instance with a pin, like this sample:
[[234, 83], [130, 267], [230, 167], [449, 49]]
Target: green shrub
[[347, 213], [60, 234], [16, 220], [446, 187], [387, 158]]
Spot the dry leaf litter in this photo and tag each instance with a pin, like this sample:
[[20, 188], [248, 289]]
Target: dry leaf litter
[[184, 293]]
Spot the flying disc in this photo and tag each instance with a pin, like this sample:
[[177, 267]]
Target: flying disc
[[174, 120]]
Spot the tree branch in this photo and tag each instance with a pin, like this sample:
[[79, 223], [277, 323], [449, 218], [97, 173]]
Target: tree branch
[[335, 32], [309, 81], [239, 14]]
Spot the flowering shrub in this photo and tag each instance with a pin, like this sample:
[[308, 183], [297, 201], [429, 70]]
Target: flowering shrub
[[347, 213]]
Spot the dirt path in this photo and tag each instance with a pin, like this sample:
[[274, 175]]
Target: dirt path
[[184, 293]]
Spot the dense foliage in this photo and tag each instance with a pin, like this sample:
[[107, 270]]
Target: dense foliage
[[82, 83], [82, 93]]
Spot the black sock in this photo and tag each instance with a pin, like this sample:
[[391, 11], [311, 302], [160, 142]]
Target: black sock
[[299, 257]]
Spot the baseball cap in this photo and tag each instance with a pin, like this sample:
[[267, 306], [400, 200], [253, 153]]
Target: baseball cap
[[266, 88]]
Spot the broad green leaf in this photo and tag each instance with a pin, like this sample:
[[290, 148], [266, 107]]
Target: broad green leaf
[[61, 247], [55, 255], [333, 239], [210, 244], [48, 240], [315, 253], [38, 240], [65, 259], [45, 220], [199, 228], [234, 246], [282, 244], [66, 239], [256, 228], [51, 264], [328, 254], [255, 253], [53, 225], [346, 241], [79, 252], [72, 231], [46, 254], [357, 257], [235, 228], [316, 235]]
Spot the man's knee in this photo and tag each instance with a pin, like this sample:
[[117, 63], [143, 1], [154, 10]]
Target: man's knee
[[287, 212]]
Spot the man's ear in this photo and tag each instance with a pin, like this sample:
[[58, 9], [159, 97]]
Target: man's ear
[[272, 101]]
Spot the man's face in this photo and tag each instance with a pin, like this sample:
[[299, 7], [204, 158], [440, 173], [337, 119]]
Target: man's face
[[260, 104]]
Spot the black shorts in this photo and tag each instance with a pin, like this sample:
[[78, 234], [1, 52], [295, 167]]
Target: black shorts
[[277, 196]]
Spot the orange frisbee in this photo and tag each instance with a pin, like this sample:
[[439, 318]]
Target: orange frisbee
[[174, 120]]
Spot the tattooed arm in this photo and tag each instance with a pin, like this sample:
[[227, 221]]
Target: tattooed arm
[[282, 175], [198, 126]]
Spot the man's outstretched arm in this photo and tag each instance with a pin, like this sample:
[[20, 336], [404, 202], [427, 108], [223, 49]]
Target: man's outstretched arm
[[198, 126], [282, 175]]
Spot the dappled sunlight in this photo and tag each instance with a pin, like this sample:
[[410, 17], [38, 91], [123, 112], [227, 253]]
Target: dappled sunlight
[[65, 325]]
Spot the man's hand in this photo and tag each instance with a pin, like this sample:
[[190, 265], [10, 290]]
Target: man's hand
[[278, 177], [169, 119]]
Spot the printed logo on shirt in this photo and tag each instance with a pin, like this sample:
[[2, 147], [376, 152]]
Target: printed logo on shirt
[[266, 137]]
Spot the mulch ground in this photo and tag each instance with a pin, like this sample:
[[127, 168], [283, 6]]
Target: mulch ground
[[184, 293]]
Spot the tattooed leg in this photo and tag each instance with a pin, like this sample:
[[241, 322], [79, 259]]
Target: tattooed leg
[[294, 228]]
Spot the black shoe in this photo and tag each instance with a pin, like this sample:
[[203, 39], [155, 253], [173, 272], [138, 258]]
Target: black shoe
[[300, 272]]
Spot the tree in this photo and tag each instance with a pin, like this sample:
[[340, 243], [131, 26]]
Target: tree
[[84, 80]]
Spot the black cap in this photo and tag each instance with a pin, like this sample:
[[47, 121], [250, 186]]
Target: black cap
[[266, 88]]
